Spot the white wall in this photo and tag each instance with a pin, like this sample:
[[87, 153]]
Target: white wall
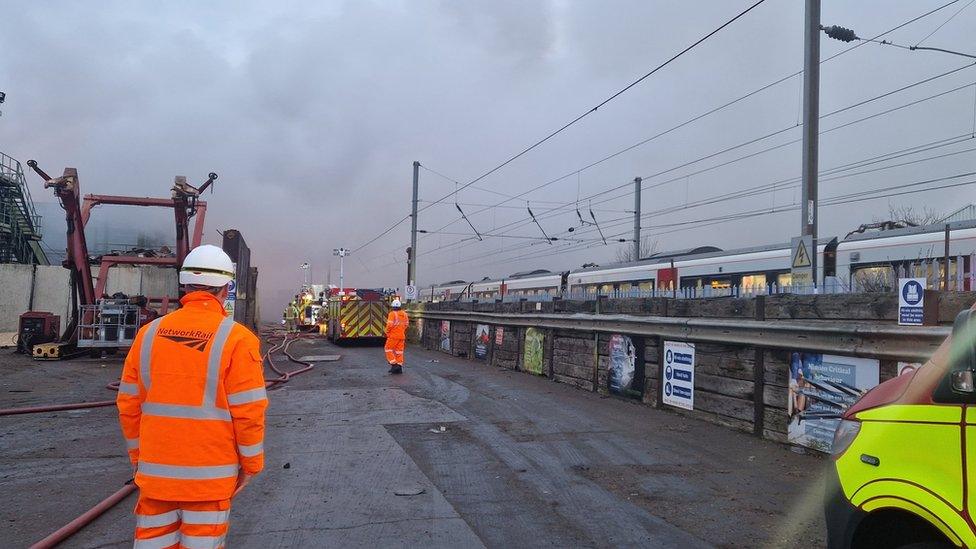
[[52, 289]]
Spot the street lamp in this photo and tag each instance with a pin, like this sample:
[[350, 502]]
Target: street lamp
[[305, 269], [847, 35], [341, 253]]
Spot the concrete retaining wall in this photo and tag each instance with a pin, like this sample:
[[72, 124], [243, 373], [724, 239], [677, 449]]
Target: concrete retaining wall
[[52, 289], [739, 386]]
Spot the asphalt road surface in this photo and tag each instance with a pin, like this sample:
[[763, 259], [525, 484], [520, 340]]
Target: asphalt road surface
[[452, 453]]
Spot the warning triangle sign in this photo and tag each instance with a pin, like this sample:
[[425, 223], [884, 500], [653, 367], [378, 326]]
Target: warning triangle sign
[[800, 256]]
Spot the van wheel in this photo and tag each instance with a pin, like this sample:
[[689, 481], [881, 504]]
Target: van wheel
[[898, 530]]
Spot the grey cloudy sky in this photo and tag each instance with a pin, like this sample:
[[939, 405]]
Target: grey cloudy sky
[[312, 114]]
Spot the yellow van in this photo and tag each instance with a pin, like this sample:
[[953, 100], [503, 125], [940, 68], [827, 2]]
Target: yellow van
[[900, 464]]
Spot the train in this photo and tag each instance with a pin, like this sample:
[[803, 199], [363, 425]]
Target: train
[[869, 259]]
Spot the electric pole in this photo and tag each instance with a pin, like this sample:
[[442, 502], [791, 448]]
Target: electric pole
[[412, 258], [637, 219], [811, 127], [341, 253]]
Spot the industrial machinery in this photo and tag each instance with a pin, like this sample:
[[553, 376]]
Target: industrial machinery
[[37, 327], [99, 321], [357, 313]]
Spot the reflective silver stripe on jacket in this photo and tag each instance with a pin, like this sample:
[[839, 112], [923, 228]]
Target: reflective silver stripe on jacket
[[145, 352], [213, 362], [132, 443], [128, 388], [201, 542], [188, 472], [244, 397], [184, 411], [158, 542], [155, 521], [205, 517], [251, 450]]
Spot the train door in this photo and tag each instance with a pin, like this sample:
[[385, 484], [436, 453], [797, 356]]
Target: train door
[[830, 258]]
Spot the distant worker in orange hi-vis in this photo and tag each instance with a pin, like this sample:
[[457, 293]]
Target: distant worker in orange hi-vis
[[191, 404], [396, 337]]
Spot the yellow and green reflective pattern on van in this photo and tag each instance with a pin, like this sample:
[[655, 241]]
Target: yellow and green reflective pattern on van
[[920, 468]]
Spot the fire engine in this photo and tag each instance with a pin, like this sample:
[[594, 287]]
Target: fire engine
[[357, 313]]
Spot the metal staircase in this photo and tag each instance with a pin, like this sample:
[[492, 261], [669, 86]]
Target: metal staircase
[[20, 232]]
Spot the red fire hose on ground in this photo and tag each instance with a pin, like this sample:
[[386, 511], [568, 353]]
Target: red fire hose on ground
[[88, 516]]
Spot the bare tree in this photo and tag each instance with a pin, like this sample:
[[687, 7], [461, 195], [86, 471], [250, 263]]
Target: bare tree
[[911, 216], [625, 253]]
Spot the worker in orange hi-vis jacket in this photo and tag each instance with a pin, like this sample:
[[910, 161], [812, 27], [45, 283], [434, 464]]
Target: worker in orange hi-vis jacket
[[191, 404], [396, 337]]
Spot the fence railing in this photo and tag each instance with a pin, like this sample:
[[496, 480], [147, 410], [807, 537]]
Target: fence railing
[[831, 286]]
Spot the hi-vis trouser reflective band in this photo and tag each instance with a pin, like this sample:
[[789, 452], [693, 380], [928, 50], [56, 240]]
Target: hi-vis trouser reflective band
[[207, 410]]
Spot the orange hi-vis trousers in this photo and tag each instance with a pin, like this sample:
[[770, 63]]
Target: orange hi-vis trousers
[[394, 350], [181, 524]]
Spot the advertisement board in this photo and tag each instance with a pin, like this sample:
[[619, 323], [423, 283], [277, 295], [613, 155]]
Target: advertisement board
[[446, 335], [678, 388], [821, 387], [499, 335], [532, 358], [620, 377], [481, 340]]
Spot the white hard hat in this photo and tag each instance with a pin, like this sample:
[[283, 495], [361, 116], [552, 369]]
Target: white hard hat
[[396, 303], [207, 265]]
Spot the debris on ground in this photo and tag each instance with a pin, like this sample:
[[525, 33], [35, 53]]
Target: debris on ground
[[409, 491]]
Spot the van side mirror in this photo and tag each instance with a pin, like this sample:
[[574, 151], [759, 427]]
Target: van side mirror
[[962, 381], [958, 384], [962, 354]]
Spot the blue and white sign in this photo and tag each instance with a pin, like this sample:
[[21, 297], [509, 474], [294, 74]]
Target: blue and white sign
[[230, 301], [678, 385], [911, 300]]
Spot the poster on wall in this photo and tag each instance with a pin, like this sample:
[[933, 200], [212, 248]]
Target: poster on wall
[[446, 335], [532, 362], [481, 340], [679, 375], [821, 388], [499, 335], [620, 377]]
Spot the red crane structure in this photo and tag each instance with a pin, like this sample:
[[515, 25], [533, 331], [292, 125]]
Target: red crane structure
[[97, 320]]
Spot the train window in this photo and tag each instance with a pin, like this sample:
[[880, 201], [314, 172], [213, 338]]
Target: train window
[[721, 284], [784, 279], [874, 279], [754, 281], [645, 285], [606, 289]]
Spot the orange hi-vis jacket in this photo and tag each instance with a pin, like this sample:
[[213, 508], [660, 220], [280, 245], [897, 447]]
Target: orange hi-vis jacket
[[191, 403], [396, 325]]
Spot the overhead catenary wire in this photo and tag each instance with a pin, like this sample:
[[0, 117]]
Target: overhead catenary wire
[[842, 52], [572, 122], [608, 99], [944, 23], [718, 108], [835, 201], [771, 187], [779, 132], [690, 120]]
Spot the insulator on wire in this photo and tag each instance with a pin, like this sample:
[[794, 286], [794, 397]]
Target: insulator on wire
[[840, 33]]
